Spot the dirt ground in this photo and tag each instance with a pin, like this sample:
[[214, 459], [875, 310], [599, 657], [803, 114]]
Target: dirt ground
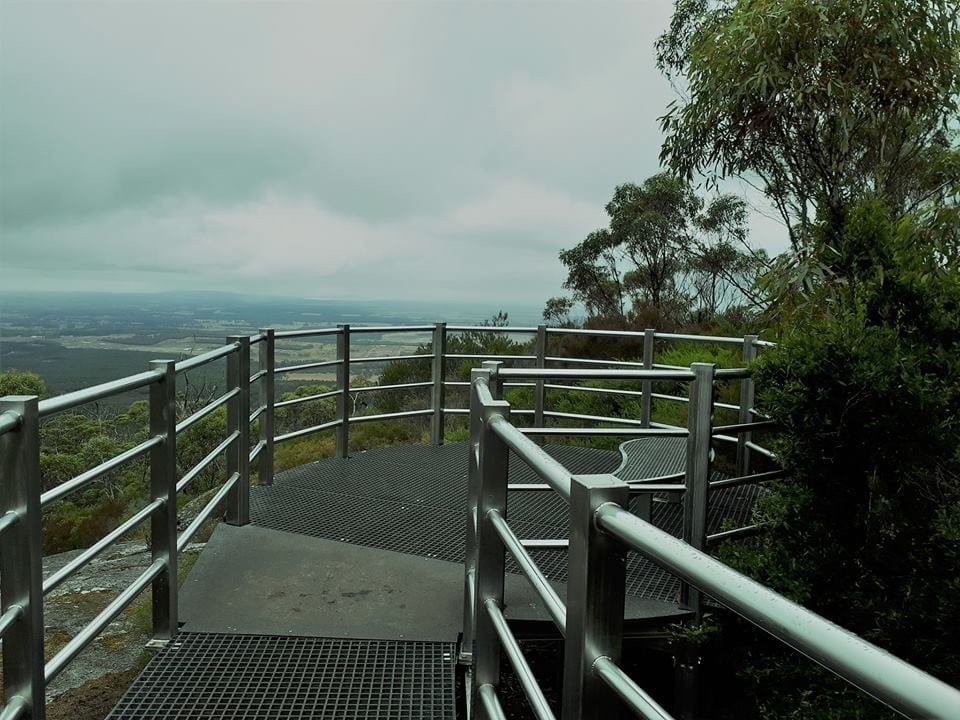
[[94, 699]]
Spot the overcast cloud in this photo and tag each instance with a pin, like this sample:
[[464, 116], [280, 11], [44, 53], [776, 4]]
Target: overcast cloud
[[415, 150]]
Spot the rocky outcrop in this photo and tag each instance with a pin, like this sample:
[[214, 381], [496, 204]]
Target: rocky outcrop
[[73, 604]]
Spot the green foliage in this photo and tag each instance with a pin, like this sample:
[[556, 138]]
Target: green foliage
[[865, 531], [301, 451], [18, 382], [70, 525], [306, 414], [556, 312], [825, 101], [666, 249], [695, 633]]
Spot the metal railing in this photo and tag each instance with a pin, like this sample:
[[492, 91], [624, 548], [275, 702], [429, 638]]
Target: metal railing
[[23, 587], [602, 532]]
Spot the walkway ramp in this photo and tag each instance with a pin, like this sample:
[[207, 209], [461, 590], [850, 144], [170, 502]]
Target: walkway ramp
[[344, 596], [212, 675]]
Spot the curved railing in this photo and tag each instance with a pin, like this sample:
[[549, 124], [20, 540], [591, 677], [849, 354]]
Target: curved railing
[[602, 531], [26, 674]]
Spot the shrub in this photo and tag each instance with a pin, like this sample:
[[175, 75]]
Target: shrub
[[867, 529]]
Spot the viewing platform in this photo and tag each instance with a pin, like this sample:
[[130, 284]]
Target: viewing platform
[[362, 558], [398, 582]]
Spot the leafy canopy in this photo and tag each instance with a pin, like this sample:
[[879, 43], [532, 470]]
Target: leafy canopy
[[866, 531], [665, 248], [824, 101]]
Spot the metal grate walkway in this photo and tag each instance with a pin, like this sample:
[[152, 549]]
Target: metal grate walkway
[[412, 499], [209, 675]]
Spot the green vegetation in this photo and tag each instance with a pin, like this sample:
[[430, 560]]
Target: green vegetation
[[845, 113], [824, 101], [867, 530], [16, 382], [667, 258]]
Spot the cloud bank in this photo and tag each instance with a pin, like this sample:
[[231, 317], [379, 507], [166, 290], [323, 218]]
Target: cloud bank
[[426, 151]]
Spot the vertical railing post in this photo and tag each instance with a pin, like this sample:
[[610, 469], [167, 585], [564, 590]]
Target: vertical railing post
[[747, 391], [439, 380], [163, 486], [494, 456], [238, 419], [697, 480], [540, 390], [496, 382], [596, 589], [343, 385], [473, 498], [646, 386], [21, 557], [268, 363]]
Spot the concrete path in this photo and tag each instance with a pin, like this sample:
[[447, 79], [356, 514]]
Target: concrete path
[[254, 580]]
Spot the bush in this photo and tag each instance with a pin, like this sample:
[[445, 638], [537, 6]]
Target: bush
[[867, 529]]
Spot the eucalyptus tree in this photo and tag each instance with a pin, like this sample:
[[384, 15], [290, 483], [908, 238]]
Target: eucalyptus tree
[[823, 101], [666, 248]]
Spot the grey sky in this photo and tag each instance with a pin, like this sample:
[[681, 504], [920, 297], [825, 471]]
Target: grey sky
[[422, 150]]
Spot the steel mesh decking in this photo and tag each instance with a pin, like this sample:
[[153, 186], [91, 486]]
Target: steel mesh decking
[[412, 499], [209, 675]]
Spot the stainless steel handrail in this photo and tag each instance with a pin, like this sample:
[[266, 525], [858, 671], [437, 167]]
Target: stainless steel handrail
[[627, 690], [903, 687], [308, 431], [493, 329], [9, 421], [511, 648], [396, 386], [90, 631], [307, 332], [308, 366], [307, 398], [207, 460], [184, 538], [206, 410], [206, 358], [74, 399], [8, 519], [639, 374], [390, 358], [548, 596], [237, 397], [389, 416], [894, 682], [547, 469], [87, 477], [391, 328], [9, 617], [81, 560]]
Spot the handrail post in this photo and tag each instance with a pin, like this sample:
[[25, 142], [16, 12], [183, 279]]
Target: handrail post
[[473, 497], [596, 590], [21, 556], [238, 420], [439, 378], [343, 385], [496, 382], [697, 480], [494, 457], [268, 398], [646, 400], [163, 486], [540, 390], [747, 392]]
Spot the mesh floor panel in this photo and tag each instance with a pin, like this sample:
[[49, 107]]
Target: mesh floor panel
[[412, 499], [208, 675]]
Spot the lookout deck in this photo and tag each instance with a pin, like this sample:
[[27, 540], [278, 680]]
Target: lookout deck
[[343, 597]]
